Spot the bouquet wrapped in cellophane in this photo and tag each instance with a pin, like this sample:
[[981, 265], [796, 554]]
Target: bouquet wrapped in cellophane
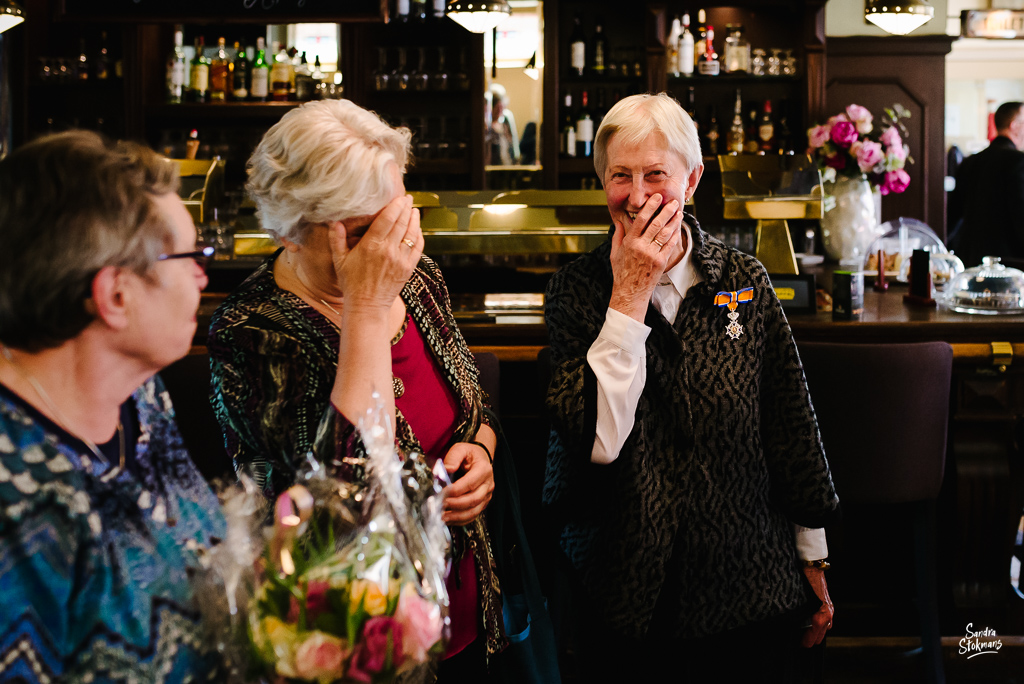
[[346, 585]]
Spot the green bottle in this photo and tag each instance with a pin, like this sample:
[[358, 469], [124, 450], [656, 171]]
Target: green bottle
[[259, 88], [199, 74]]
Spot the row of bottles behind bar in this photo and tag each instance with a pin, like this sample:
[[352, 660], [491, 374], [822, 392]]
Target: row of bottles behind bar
[[232, 74], [753, 128]]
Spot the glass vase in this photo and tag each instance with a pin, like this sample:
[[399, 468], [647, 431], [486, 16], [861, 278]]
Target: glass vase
[[850, 222]]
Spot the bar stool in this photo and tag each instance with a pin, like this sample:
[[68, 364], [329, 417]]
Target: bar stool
[[883, 412]]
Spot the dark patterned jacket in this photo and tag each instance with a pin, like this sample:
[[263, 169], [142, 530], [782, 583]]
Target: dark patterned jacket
[[695, 514]]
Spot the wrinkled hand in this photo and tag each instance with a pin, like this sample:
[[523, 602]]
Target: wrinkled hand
[[821, 621], [640, 254], [373, 273], [468, 496]]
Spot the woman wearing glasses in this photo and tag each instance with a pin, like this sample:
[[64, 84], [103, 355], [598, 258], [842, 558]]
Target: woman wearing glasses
[[101, 510]]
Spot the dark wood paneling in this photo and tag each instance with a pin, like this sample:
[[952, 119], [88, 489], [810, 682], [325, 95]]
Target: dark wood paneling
[[877, 72]]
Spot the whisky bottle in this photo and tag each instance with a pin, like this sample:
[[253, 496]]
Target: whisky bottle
[[259, 88], [199, 74], [597, 63], [700, 44], [280, 74], [220, 67], [176, 69], [752, 142], [303, 81], [240, 74]]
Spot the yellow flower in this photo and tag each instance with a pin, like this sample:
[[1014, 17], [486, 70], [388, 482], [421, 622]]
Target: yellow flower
[[283, 638], [373, 599]]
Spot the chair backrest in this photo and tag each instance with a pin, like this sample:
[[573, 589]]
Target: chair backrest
[[883, 412], [188, 382], [490, 378]]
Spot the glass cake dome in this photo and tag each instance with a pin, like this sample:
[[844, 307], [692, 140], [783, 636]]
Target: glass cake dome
[[987, 289]]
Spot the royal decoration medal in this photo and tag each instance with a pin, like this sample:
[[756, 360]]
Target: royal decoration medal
[[732, 300]]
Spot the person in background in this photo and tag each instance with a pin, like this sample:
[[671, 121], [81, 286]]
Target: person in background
[[502, 135], [101, 509], [986, 207], [347, 306], [685, 473]]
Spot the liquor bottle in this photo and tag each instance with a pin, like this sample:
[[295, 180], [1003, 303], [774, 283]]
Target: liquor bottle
[[752, 141], [259, 88], [700, 44], [685, 64], [176, 68], [783, 135], [568, 136], [199, 74], [584, 130], [82, 63], [737, 50], [735, 139], [303, 81], [280, 74], [418, 10], [709, 65], [103, 59], [712, 136], [672, 47], [597, 64], [437, 12], [220, 67], [296, 62], [402, 10], [600, 109], [691, 108], [318, 79], [578, 48], [240, 74], [766, 129]]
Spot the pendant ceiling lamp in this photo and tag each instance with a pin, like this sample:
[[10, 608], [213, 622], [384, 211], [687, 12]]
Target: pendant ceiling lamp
[[11, 14], [478, 16], [898, 17]]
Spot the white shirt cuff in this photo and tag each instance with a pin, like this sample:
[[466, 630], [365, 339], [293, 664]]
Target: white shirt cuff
[[810, 542], [626, 333]]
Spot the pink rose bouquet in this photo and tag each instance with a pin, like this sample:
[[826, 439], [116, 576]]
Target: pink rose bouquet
[[849, 144]]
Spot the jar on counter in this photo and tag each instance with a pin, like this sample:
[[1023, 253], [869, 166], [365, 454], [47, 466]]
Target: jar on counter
[[737, 50]]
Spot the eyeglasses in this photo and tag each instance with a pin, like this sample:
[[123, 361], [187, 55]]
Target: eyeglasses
[[202, 256]]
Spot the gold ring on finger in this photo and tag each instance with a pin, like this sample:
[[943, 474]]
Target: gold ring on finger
[[409, 243], [659, 243]]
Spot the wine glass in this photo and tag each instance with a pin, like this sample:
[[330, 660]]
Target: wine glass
[[775, 62], [757, 63], [789, 64]]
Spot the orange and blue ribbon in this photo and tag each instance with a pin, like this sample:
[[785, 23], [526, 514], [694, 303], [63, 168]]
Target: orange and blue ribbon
[[734, 299]]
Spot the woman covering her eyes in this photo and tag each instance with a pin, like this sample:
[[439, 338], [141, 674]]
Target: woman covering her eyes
[[347, 306]]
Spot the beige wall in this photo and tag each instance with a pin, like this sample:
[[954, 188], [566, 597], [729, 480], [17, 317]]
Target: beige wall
[[846, 18]]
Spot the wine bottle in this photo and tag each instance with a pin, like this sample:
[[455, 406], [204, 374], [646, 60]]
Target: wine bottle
[[568, 135], [672, 47], [766, 129], [220, 67], [578, 48], [597, 62], [700, 43], [260, 74], [199, 74], [584, 130]]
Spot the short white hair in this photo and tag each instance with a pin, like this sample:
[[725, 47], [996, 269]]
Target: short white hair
[[638, 116], [324, 161]]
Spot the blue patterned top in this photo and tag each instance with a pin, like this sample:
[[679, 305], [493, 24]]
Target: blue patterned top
[[94, 573]]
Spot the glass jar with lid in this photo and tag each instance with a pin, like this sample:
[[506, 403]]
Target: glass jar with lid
[[987, 289], [737, 49]]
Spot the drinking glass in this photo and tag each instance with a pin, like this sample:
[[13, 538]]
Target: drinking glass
[[775, 62], [757, 62]]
